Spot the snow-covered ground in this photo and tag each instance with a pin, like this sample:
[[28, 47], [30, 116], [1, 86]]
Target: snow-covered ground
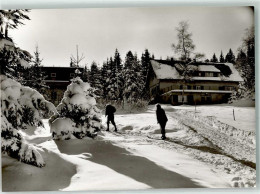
[[244, 116], [200, 152]]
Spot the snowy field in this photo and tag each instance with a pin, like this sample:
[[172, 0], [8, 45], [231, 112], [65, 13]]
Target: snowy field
[[205, 149]]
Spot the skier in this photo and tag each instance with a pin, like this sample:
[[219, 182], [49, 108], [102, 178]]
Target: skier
[[110, 110], [161, 119]]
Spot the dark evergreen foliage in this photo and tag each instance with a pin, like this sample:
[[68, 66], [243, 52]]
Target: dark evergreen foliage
[[214, 59], [221, 58], [230, 57]]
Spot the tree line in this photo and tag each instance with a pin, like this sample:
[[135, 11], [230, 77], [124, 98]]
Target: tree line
[[117, 79], [120, 81]]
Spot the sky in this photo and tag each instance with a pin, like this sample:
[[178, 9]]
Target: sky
[[99, 31]]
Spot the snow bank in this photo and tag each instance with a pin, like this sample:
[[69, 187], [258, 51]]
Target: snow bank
[[21, 106], [230, 151], [77, 115]]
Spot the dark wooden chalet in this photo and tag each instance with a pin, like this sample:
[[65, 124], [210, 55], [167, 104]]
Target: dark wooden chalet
[[58, 78]]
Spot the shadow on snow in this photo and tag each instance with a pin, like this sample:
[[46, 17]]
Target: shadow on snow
[[123, 162]]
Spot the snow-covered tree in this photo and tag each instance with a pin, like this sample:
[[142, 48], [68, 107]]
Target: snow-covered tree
[[85, 74], [146, 68], [77, 115], [245, 61], [21, 106], [113, 82], [133, 85], [117, 61], [13, 60], [35, 77], [11, 19], [94, 78]]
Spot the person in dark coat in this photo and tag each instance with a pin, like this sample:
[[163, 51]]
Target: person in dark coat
[[161, 119], [110, 110]]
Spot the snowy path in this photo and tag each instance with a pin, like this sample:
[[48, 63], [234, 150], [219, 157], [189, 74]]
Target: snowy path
[[228, 151], [196, 155]]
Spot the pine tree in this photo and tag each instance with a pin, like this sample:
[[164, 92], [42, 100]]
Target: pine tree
[[104, 80], [85, 74], [230, 57], [133, 85], [146, 68], [129, 60], [94, 78], [11, 19], [117, 61], [221, 58], [77, 114], [245, 62], [21, 107], [114, 80], [214, 59], [35, 77]]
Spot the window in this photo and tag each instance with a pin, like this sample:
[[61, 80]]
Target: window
[[198, 88], [182, 99], [209, 74], [72, 74], [53, 74], [229, 88]]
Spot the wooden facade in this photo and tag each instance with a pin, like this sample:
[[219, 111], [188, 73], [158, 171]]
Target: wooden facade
[[58, 78], [211, 83]]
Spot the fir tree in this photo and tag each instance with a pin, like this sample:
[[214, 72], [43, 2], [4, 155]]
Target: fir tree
[[214, 59], [145, 70], [129, 60], [221, 58], [117, 61], [133, 85], [21, 107], [94, 77], [104, 80], [35, 74], [85, 74], [230, 57], [11, 19], [77, 114], [245, 62]]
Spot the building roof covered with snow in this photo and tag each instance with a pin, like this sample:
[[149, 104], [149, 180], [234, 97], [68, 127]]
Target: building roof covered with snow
[[208, 68], [204, 71]]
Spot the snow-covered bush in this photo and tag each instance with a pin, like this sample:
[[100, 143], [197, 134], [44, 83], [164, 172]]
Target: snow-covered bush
[[242, 93], [77, 115], [21, 106]]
